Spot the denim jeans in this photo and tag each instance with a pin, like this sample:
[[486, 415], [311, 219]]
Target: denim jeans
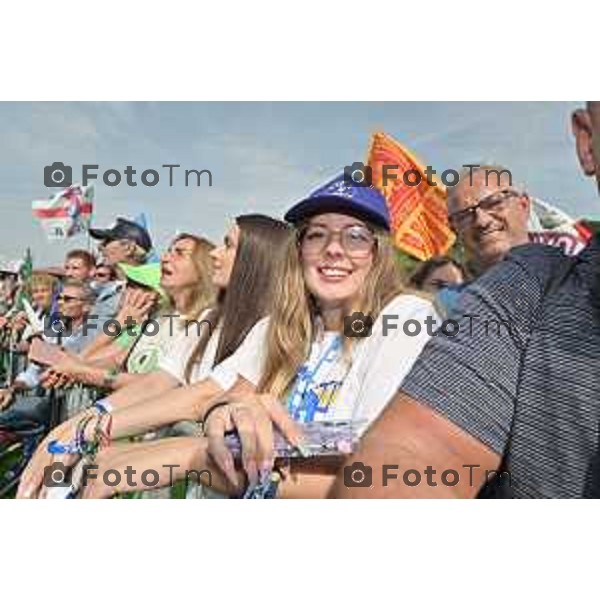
[[29, 410]]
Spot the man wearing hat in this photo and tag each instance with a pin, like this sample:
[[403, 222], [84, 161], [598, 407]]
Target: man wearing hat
[[125, 242]]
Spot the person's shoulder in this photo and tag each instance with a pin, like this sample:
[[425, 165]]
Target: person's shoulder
[[262, 324], [537, 260], [257, 333], [536, 257], [408, 303], [527, 269]]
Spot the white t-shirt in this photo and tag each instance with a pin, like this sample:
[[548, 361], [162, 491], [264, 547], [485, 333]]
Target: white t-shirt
[[328, 388], [168, 336], [246, 361], [175, 358]]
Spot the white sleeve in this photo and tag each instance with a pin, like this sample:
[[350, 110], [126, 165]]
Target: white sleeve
[[246, 361], [398, 337], [173, 357], [174, 364]]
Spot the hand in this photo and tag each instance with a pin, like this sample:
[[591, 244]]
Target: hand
[[137, 304], [111, 458], [169, 457], [253, 416], [6, 398], [33, 475], [3, 322], [69, 364], [52, 379], [20, 321], [64, 373]]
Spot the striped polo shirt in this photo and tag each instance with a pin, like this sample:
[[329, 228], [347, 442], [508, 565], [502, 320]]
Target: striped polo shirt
[[522, 374]]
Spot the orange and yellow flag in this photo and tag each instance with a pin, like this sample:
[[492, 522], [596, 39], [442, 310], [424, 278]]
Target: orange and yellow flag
[[418, 213]]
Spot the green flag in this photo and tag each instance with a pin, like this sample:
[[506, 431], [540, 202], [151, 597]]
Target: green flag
[[25, 273]]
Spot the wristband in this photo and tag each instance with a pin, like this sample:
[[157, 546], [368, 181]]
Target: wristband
[[103, 406], [55, 447]]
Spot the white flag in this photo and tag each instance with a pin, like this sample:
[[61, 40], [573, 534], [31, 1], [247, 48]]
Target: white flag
[[67, 212]]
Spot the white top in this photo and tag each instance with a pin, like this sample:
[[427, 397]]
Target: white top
[[175, 358], [337, 390], [246, 361]]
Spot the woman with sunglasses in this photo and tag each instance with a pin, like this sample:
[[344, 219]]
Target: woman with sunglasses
[[334, 348]]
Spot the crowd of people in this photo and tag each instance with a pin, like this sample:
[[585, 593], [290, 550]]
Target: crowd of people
[[237, 359]]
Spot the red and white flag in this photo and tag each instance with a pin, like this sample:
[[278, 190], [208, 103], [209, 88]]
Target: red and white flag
[[551, 226], [66, 213]]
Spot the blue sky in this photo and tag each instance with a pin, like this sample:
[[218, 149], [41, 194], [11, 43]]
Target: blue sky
[[263, 156]]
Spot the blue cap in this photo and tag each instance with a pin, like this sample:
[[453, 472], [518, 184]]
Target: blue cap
[[341, 196]]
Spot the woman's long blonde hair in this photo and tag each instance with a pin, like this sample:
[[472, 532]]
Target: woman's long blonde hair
[[203, 293], [294, 314]]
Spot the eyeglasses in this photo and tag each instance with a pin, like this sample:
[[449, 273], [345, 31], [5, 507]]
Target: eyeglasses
[[491, 204], [179, 252], [67, 298], [356, 240]]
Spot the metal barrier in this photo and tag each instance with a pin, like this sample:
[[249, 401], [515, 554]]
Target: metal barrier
[[11, 364], [76, 399]]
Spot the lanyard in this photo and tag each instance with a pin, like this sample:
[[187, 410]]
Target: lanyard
[[306, 377]]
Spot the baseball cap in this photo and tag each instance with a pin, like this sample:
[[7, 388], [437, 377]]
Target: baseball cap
[[146, 275], [124, 230], [339, 195]]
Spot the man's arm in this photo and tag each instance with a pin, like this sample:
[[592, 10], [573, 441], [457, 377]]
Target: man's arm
[[410, 436]]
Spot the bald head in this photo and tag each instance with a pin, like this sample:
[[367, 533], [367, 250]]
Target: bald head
[[498, 224]]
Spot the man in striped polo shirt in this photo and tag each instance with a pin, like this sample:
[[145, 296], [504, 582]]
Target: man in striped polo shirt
[[511, 410]]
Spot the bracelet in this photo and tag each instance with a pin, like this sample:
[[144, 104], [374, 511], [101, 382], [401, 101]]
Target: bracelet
[[209, 411], [84, 447], [103, 406], [102, 431]]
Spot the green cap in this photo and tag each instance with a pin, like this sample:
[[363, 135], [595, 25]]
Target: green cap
[[147, 275]]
